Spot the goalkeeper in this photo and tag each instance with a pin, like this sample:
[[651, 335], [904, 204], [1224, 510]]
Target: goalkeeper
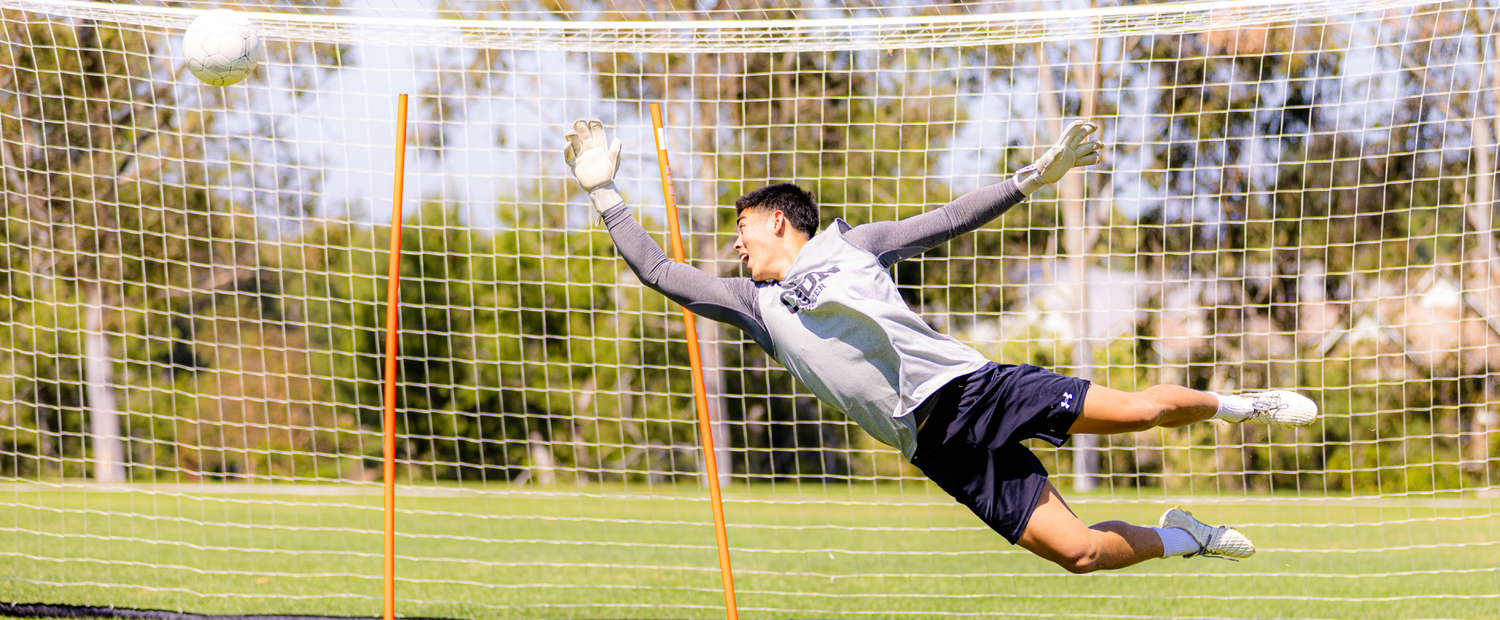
[[825, 306]]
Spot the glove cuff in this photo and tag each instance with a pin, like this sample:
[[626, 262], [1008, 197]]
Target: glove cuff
[[1029, 179], [605, 197]]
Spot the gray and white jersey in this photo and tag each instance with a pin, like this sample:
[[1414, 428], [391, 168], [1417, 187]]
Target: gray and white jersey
[[837, 321], [843, 330]]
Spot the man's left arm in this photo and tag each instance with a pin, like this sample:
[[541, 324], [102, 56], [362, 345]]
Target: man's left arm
[[895, 241]]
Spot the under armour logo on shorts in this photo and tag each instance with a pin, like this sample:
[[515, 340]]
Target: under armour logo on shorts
[[1067, 402]]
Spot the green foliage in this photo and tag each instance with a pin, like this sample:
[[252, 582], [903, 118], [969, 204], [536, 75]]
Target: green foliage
[[506, 340], [526, 351], [109, 208]]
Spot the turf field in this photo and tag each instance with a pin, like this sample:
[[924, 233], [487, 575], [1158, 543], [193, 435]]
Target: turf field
[[637, 552]]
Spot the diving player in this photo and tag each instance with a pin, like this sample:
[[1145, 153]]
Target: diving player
[[825, 306]]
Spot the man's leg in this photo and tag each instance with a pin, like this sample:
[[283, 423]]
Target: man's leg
[[1057, 535], [1106, 411]]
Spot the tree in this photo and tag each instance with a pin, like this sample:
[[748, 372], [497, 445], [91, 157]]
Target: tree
[[119, 257]]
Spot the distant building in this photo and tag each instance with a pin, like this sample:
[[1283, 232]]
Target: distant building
[[1427, 322], [1436, 324], [1045, 314]]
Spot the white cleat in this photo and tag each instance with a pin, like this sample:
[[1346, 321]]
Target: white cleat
[[1220, 542], [1281, 408]]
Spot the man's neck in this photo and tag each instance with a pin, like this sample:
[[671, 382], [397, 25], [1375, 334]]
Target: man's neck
[[790, 247]]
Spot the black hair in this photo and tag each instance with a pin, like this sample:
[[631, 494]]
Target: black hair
[[798, 205]]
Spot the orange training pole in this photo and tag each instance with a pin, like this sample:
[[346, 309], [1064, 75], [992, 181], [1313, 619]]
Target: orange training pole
[[392, 319], [699, 398]]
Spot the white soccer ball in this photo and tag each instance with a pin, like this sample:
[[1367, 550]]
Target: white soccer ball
[[221, 47]]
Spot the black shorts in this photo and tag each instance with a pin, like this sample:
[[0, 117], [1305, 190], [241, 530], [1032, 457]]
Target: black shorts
[[970, 444]]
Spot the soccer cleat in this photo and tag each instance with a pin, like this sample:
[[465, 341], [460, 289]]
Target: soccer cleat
[[1219, 542], [1281, 408]]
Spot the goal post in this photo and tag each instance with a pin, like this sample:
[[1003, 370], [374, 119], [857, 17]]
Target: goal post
[[1294, 195]]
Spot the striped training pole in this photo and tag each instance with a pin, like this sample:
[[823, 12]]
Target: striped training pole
[[699, 398]]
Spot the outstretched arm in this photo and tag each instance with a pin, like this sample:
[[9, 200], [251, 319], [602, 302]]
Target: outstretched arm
[[895, 241], [727, 300], [899, 240]]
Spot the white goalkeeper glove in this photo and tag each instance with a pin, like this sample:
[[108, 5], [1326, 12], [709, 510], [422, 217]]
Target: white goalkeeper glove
[[594, 161], [1069, 152]]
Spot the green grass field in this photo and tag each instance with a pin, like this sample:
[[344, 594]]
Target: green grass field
[[635, 552]]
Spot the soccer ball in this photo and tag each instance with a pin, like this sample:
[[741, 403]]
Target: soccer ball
[[221, 47]]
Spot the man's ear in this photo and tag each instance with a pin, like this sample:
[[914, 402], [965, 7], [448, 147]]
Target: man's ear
[[778, 222]]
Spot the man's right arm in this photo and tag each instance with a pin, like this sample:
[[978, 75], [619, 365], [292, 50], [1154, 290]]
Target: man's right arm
[[594, 160], [727, 300]]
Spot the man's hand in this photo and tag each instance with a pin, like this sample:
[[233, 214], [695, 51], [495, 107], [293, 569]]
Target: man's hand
[[594, 161], [1069, 152]]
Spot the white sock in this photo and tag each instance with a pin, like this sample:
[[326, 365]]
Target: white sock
[[1233, 408], [1176, 541]]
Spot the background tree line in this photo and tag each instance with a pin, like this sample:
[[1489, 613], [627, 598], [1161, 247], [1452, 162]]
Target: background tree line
[[229, 346]]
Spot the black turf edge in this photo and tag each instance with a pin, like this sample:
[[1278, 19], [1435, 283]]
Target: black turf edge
[[41, 610]]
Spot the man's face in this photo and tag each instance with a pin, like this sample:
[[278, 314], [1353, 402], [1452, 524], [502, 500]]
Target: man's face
[[757, 240]]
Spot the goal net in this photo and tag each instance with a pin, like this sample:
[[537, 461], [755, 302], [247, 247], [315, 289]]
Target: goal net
[[1294, 194]]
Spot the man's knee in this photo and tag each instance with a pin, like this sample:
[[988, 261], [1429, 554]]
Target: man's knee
[[1140, 411], [1082, 563], [1081, 557]]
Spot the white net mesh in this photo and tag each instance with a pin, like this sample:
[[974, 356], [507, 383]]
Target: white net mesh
[[652, 30], [1294, 195]]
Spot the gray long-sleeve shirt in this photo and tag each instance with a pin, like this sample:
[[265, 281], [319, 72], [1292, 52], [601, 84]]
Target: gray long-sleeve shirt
[[837, 321]]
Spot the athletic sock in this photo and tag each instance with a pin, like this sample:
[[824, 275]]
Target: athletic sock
[[1176, 541], [1233, 408]]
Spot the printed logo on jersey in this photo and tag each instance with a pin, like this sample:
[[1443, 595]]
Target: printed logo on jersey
[[802, 292], [1067, 401]]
